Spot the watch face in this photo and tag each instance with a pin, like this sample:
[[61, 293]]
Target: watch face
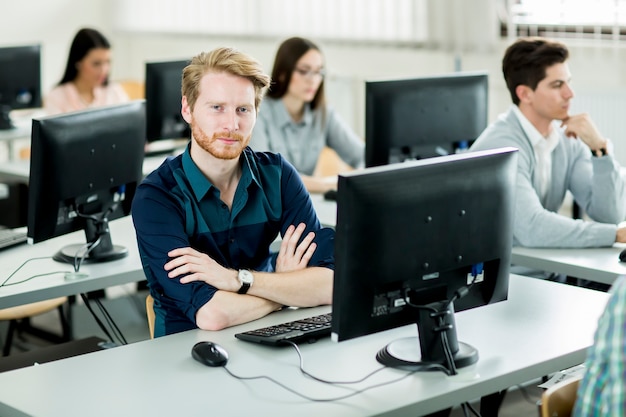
[[245, 276]]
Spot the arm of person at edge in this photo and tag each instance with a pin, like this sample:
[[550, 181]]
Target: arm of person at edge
[[581, 126], [292, 284]]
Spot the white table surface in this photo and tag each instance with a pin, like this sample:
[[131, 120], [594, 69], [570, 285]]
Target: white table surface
[[20, 131], [19, 170], [543, 327], [101, 275], [595, 264]]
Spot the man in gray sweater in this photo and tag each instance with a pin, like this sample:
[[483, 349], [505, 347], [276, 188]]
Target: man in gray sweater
[[558, 152]]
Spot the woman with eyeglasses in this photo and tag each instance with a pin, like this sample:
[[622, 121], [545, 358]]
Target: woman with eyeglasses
[[295, 121]]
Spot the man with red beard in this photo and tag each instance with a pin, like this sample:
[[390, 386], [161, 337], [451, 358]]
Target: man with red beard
[[206, 218]]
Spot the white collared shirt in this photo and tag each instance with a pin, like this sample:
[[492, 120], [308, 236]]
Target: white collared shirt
[[543, 147]]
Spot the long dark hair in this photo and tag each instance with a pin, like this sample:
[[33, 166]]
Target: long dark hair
[[84, 41], [288, 54]]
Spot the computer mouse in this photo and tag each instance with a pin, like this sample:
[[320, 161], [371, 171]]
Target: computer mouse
[[209, 354], [622, 256]]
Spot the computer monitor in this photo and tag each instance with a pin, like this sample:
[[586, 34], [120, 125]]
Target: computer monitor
[[163, 96], [409, 237], [418, 118], [84, 169], [20, 80]]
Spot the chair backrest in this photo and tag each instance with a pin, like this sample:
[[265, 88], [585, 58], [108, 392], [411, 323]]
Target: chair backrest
[[134, 89], [150, 314], [29, 310], [559, 399]]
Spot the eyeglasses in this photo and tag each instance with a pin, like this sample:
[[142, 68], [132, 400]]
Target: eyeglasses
[[309, 73]]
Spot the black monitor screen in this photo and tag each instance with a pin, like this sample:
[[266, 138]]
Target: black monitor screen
[[84, 169], [163, 96], [409, 236], [20, 80], [418, 118]]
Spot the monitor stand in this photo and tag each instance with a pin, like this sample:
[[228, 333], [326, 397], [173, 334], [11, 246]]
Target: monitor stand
[[5, 118], [427, 352], [104, 251]]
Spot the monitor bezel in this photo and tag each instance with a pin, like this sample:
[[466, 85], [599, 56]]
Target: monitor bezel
[[154, 91], [84, 158], [372, 259], [444, 113], [22, 63]]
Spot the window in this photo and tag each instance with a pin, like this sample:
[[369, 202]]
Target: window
[[380, 21], [598, 19]]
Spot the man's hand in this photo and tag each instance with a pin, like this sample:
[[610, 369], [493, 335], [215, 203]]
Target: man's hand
[[200, 267], [620, 236], [581, 126], [291, 256]]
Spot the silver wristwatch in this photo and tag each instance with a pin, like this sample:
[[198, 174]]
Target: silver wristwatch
[[246, 279]]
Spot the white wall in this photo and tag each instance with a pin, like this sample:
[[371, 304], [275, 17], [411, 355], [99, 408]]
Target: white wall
[[595, 67], [51, 23]]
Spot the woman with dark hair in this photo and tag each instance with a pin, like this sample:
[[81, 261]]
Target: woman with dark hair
[[294, 119], [85, 82]]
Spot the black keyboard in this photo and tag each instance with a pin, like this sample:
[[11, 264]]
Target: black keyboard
[[10, 237], [303, 330]]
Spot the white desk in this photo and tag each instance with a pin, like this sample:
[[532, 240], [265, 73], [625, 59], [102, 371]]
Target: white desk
[[595, 264], [9, 136], [542, 328], [15, 170], [101, 275], [19, 170], [22, 121]]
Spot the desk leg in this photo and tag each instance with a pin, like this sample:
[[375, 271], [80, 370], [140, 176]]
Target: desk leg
[[490, 404]]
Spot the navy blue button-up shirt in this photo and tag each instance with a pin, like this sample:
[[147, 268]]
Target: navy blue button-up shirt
[[177, 206]]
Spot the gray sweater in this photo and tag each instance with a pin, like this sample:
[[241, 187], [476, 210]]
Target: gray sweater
[[595, 183]]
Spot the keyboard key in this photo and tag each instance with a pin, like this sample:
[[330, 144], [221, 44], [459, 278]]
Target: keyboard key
[[303, 330]]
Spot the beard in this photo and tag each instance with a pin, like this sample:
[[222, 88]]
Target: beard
[[214, 147]]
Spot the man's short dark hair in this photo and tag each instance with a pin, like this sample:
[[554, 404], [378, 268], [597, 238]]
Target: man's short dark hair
[[525, 62]]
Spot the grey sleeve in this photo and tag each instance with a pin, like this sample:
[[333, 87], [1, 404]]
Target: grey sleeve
[[598, 186], [259, 141], [343, 140], [534, 226]]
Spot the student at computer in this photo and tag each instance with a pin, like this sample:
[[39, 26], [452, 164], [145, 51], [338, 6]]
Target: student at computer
[[295, 120], [602, 389], [206, 218], [85, 82], [558, 152]]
